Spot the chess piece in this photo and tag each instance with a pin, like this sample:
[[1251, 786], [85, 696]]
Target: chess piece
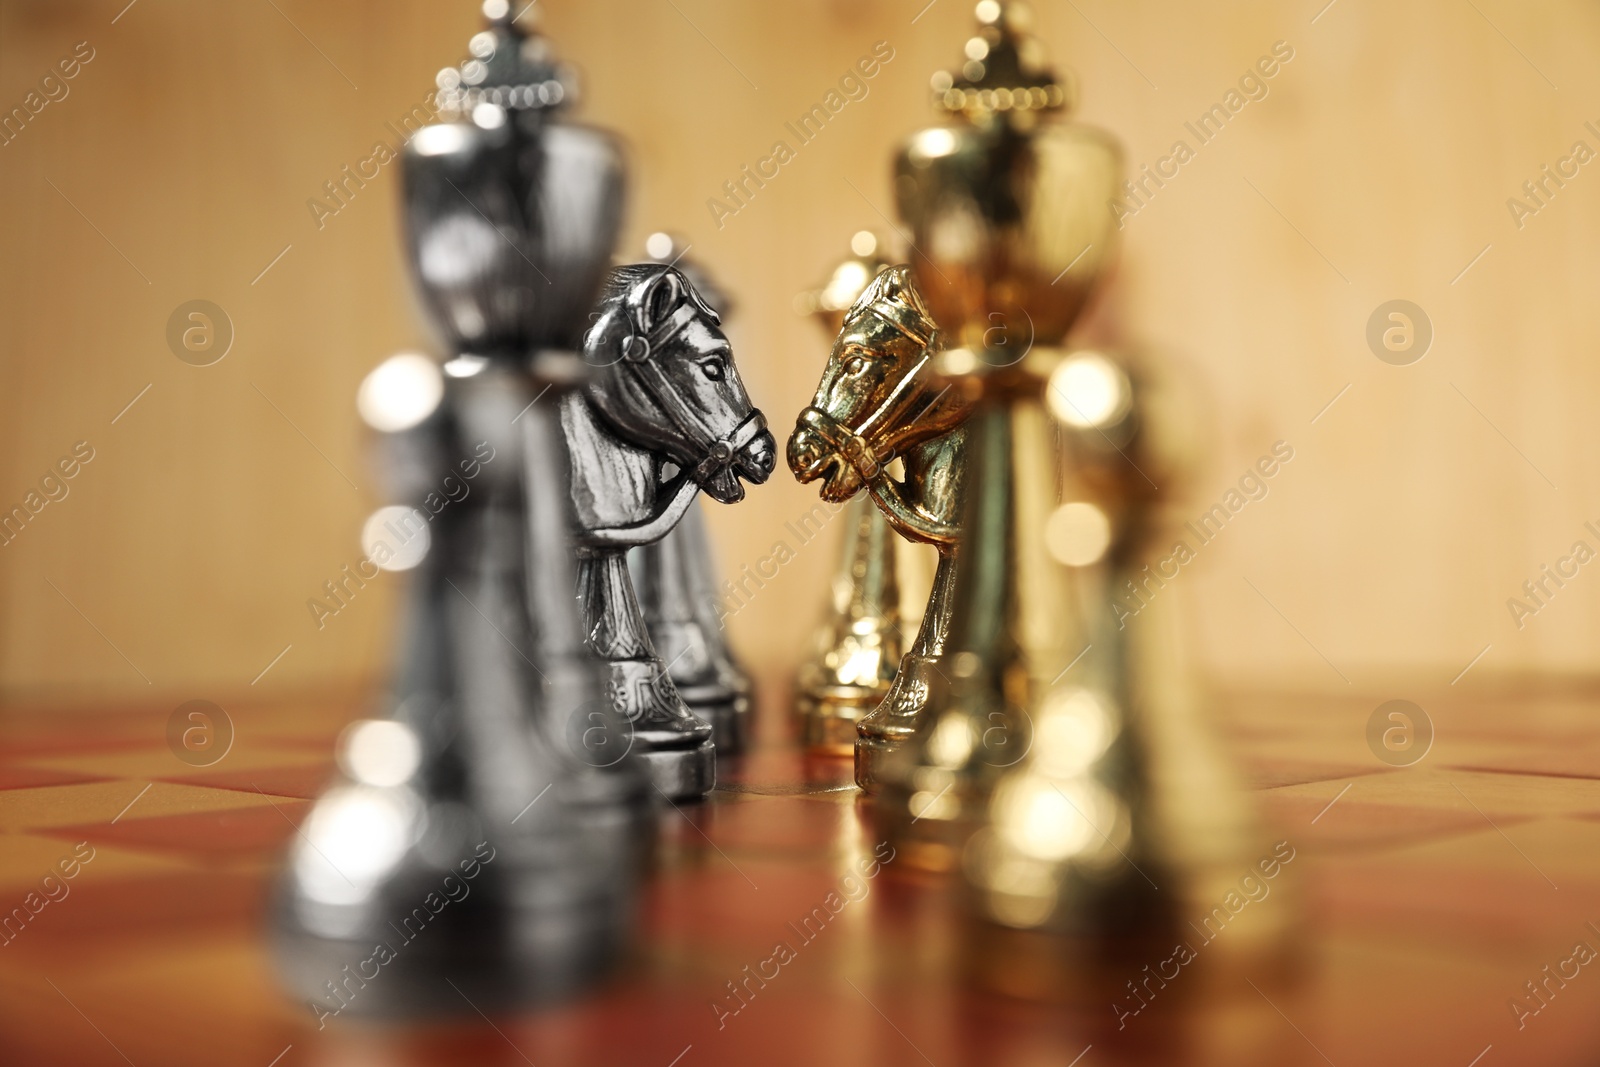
[[676, 581], [855, 650], [879, 400], [1061, 769], [858, 645], [663, 393], [487, 833], [672, 250], [675, 585]]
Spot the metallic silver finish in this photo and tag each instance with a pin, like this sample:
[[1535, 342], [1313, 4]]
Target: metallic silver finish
[[511, 212], [677, 594], [489, 830], [664, 395], [676, 580]]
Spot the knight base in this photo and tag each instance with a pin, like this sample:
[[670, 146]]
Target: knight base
[[828, 720], [894, 722], [682, 773], [872, 753], [729, 716]]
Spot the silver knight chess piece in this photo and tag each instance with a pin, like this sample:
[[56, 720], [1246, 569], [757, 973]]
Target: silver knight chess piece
[[662, 415], [482, 844], [676, 580]]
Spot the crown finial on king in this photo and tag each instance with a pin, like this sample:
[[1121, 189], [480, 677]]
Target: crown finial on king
[[1004, 70], [512, 209], [510, 67], [1006, 202]]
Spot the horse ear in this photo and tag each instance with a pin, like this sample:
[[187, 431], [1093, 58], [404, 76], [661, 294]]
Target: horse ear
[[893, 280], [897, 285], [665, 294], [595, 335]]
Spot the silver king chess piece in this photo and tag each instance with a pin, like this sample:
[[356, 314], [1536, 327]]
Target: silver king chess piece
[[481, 845], [661, 416], [676, 580]]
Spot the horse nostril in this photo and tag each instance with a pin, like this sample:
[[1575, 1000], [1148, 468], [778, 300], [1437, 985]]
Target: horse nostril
[[805, 451], [759, 457]]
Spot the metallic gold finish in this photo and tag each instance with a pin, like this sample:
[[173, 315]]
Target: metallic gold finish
[[1007, 209], [879, 400], [1060, 768], [1003, 71], [858, 644], [831, 302]]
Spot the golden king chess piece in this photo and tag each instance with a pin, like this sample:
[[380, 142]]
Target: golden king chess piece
[[1060, 769], [858, 645]]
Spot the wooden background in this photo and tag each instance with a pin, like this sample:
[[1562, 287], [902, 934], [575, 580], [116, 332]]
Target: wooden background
[[1378, 167]]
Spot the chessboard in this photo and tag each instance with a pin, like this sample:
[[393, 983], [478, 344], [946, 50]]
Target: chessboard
[[1448, 909]]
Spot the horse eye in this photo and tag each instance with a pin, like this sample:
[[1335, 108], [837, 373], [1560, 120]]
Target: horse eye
[[714, 370], [855, 365]]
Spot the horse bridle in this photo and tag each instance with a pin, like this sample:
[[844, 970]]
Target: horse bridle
[[716, 453], [851, 442]]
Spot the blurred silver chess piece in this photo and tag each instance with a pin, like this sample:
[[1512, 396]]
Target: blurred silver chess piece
[[676, 579], [481, 845], [662, 416]]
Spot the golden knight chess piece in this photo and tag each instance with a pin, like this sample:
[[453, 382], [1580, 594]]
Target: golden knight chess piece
[[858, 645], [1060, 769], [879, 401]]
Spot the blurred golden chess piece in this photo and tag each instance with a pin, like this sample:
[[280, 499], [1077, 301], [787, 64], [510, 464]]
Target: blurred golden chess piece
[[858, 645], [1060, 768]]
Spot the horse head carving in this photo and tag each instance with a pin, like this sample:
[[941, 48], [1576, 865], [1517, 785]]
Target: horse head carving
[[664, 381], [879, 400], [662, 415]]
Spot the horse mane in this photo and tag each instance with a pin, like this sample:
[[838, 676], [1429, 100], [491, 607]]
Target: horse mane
[[894, 292], [620, 283]]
